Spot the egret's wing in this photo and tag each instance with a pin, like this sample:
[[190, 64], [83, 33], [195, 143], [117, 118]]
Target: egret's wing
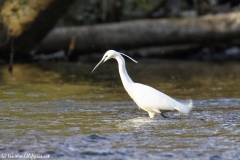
[[151, 99]]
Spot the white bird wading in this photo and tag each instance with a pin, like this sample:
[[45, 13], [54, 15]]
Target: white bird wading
[[146, 97]]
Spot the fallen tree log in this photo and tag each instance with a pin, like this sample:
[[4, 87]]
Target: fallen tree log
[[144, 33]]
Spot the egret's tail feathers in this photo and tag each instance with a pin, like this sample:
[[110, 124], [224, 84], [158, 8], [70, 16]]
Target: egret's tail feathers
[[184, 108]]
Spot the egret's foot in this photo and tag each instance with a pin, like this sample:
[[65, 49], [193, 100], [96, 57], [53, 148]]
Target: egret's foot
[[164, 116], [151, 114]]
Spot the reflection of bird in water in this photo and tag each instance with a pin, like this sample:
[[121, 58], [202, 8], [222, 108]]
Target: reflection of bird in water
[[146, 97]]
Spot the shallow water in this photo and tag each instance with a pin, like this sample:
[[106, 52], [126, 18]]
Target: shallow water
[[64, 111]]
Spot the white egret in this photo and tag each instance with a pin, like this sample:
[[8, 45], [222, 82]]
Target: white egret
[[146, 97]]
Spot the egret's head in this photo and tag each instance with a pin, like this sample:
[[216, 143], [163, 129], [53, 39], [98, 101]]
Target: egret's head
[[111, 54]]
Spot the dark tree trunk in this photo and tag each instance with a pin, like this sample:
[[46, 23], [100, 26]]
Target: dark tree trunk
[[45, 21]]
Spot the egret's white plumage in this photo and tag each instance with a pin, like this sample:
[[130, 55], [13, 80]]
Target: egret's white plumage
[[146, 97]]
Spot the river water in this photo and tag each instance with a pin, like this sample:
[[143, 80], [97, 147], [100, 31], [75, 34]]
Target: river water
[[62, 111]]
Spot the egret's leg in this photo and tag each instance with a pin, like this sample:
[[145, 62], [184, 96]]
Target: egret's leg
[[151, 114], [164, 115]]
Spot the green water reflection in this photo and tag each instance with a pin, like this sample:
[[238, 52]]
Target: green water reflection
[[57, 81]]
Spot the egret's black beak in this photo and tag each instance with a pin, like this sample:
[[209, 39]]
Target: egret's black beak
[[102, 61]]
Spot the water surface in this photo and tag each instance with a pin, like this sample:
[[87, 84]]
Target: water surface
[[63, 110]]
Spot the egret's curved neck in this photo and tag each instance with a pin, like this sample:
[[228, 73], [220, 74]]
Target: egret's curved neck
[[126, 80]]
